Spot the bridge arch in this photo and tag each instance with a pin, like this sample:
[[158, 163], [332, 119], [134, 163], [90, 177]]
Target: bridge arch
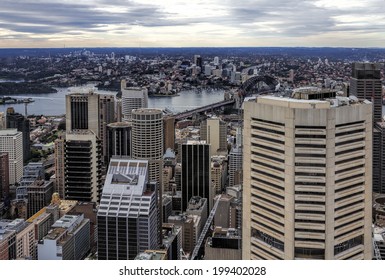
[[256, 84]]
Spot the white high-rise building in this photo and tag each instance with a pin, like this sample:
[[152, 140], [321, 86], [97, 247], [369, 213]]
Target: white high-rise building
[[11, 142], [128, 214], [307, 177], [133, 98]]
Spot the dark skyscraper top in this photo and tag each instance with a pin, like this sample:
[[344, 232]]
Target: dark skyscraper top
[[21, 123], [366, 84]]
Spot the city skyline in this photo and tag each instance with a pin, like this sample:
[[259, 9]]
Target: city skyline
[[214, 23]]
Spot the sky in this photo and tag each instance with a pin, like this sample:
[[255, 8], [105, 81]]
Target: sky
[[191, 23]]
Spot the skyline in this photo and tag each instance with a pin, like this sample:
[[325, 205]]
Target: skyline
[[212, 23]]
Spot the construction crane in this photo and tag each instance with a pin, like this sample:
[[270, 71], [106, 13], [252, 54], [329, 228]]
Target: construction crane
[[205, 229]]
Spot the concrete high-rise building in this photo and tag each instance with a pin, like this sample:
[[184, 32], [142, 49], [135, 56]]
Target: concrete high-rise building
[[60, 165], [147, 140], [218, 173], [196, 172], [365, 83], [39, 196], [21, 123], [106, 116], [379, 157], [11, 142], [169, 133], [307, 177], [235, 160], [3, 123], [133, 98], [118, 110], [119, 140], [4, 175], [128, 214], [214, 132], [68, 239], [82, 112], [83, 178]]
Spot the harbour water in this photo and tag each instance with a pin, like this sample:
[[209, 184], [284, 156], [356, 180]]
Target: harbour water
[[53, 104]]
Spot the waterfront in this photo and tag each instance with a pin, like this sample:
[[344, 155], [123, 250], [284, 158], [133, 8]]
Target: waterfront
[[53, 104]]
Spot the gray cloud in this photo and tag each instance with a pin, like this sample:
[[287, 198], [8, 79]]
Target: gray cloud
[[249, 18], [51, 18]]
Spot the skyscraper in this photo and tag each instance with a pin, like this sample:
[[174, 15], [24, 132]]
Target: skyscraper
[[147, 140], [106, 116], [83, 150], [119, 140], [11, 142], [169, 133], [60, 165], [196, 172], [83, 178], [235, 160], [128, 214], [213, 131], [365, 83], [4, 175], [133, 98], [307, 177], [82, 112], [21, 123]]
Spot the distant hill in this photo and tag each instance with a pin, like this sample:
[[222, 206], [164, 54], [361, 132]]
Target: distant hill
[[340, 53]]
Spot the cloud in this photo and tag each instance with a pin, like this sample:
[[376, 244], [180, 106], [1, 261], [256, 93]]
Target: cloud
[[177, 22]]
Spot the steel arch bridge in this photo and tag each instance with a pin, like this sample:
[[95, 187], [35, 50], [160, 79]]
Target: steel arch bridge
[[258, 84]]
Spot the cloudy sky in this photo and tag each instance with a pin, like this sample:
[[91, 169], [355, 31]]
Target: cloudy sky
[[196, 23]]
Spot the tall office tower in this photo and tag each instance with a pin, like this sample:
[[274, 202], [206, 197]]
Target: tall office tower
[[106, 116], [218, 174], [196, 172], [214, 132], [379, 157], [307, 177], [3, 123], [11, 142], [21, 123], [39, 196], [147, 140], [68, 239], [82, 112], [118, 140], [4, 175], [83, 178], [235, 160], [128, 215], [365, 83], [133, 98], [60, 165], [118, 110], [169, 133]]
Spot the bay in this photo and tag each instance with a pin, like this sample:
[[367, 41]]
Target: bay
[[53, 104]]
